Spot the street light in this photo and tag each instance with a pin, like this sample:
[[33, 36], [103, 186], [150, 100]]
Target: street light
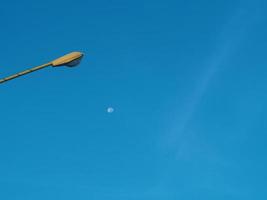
[[69, 60]]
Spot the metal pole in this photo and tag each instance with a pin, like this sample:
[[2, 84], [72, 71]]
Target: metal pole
[[24, 72]]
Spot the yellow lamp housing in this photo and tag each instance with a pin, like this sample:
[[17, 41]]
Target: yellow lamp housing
[[69, 60]]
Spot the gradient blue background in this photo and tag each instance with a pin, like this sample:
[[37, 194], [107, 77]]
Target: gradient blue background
[[187, 80]]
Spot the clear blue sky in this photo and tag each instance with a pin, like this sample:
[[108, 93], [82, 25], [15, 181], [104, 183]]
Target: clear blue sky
[[187, 80]]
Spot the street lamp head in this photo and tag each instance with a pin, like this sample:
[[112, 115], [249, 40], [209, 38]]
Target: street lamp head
[[69, 60]]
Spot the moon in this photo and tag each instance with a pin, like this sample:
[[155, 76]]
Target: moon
[[110, 110]]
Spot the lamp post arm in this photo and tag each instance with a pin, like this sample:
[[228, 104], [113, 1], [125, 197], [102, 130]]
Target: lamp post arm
[[24, 72]]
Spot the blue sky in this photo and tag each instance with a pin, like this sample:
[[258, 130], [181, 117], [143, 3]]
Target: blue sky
[[187, 80]]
